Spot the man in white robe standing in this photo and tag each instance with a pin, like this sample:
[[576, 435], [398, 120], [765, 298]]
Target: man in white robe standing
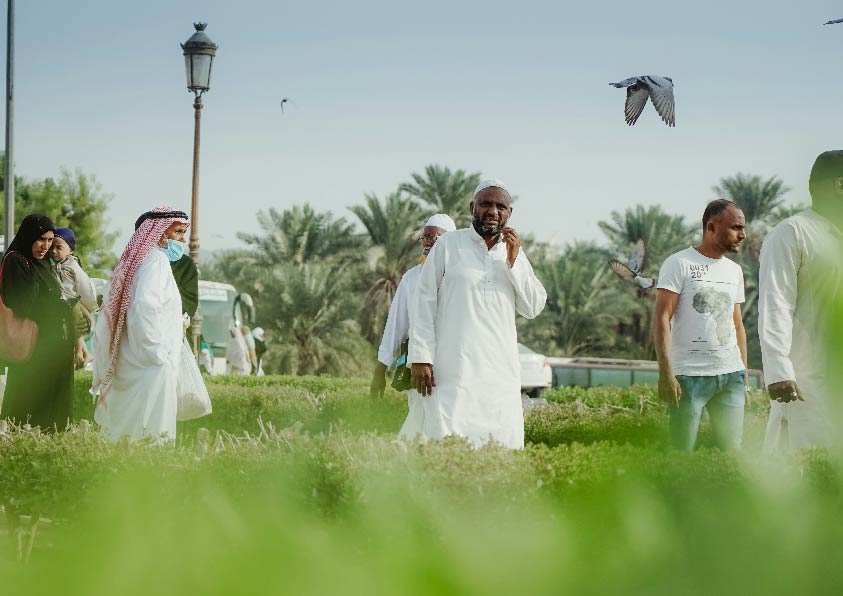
[[139, 334], [801, 281], [397, 327], [463, 344]]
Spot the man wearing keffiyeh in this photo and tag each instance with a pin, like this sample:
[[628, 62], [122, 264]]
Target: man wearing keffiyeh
[[139, 333]]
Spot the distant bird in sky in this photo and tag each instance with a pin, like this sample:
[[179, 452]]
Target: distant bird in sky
[[834, 22], [283, 101], [632, 270], [658, 89]]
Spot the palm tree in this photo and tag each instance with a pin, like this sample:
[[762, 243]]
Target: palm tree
[[311, 313], [441, 191], [581, 311], [300, 234], [757, 198], [663, 234], [392, 228]]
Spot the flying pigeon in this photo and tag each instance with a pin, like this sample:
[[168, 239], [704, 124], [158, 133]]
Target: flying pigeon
[[632, 270], [658, 89], [834, 22], [283, 101]]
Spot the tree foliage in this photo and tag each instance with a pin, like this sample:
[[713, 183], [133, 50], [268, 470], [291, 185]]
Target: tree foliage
[[439, 190], [75, 200], [323, 288], [759, 199], [392, 228], [300, 235]]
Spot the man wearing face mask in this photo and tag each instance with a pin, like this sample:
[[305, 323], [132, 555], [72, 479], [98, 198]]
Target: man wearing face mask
[[184, 269], [463, 346], [801, 281], [139, 335]]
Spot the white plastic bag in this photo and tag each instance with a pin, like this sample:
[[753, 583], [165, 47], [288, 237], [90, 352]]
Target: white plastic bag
[[193, 398], [2, 385]]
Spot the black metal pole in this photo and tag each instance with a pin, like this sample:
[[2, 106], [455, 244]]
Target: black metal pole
[[9, 169]]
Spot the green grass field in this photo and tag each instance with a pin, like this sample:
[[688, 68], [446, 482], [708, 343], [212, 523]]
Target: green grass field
[[299, 486]]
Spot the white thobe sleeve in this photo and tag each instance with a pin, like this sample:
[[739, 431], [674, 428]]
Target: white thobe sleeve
[[149, 341], [530, 294], [397, 324], [779, 269], [422, 333]]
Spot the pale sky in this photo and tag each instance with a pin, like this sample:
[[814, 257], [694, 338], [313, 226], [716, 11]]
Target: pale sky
[[515, 90]]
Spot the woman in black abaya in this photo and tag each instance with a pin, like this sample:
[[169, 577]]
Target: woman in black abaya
[[40, 390]]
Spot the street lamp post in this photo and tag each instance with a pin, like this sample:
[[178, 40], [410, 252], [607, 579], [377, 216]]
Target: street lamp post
[[199, 52], [9, 171]]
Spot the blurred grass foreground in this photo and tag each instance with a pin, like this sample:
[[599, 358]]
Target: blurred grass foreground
[[297, 485]]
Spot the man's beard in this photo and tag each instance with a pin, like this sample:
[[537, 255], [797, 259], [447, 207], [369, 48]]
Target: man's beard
[[486, 231]]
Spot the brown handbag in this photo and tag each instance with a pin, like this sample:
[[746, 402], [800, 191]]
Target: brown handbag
[[17, 336]]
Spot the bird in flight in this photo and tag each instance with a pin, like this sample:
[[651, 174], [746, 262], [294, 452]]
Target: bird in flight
[[283, 101], [657, 89], [834, 22], [635, 265]]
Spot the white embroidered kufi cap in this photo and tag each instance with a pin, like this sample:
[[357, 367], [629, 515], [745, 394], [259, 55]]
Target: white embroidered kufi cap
[[492, 183], [441, 220]]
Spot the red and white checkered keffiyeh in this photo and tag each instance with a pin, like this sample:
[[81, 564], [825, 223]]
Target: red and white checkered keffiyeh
[[115, 306]]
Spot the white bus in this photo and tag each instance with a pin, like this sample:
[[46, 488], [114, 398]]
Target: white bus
[[222, 308]]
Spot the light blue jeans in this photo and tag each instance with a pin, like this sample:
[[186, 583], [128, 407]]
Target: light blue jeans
[[723, 396]]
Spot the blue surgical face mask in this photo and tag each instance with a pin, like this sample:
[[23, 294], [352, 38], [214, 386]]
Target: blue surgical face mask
[[174, 250]]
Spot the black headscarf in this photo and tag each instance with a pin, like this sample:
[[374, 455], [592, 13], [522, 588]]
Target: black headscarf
[[31, 229]]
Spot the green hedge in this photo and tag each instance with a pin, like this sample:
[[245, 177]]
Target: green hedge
[[573, 415], [319, 497], [289, 512]]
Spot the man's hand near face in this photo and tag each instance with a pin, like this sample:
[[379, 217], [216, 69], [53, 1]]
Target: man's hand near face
[[422, 376], [513, 244]]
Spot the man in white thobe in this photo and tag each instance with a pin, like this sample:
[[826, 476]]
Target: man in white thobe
[[237, 360], [139, 400], [801, 280], [397, 326], [463, 345]]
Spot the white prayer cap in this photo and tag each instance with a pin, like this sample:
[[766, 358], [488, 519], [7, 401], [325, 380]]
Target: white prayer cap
[[492, 183], [441, 220], [257, 333]]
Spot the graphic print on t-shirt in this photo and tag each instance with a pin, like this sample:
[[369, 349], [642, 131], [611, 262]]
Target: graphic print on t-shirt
[[718, 305]]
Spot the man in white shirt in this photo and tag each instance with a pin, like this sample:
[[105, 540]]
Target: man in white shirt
[[800, 282], [398, 320], [463, 346], [699, 334]]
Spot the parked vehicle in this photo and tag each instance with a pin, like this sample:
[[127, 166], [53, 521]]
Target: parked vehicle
[[221, 308], [592, 372], [536, 375]]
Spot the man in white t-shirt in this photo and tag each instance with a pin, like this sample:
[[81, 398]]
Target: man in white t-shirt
[[699, 334]]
